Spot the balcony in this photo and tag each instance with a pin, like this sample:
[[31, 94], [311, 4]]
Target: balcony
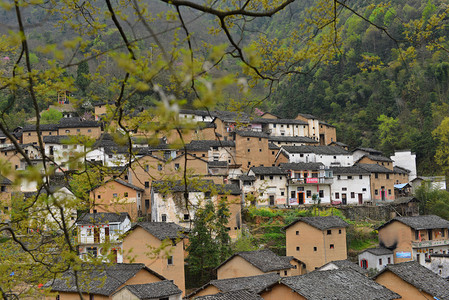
[[88, 240], [312, 180], [431, 243]]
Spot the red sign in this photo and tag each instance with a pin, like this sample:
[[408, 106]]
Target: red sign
[[311, 180]]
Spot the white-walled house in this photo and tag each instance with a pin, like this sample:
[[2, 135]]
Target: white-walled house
[[330, 156], [406, 160], [375, 258], [270, 186], [308, 183], [351, 185], [359, 152], [101, 230]]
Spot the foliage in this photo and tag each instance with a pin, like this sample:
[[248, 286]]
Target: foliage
[[359, 238], [51, 116], [433, 200], [82, 79]]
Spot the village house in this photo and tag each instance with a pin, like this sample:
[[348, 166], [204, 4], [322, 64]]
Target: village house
[[358, 152], [331, 284], [100, 282], [253, 284], [439, 264], [415, 238], [168, 203], [375, 258], [6, 189], [251, 149], [292, 141], [316, 240], [381, 182], [313, 125], [116, 195], [413, 281], [308, 183], [158, 245], [252, 263], [99, 235], [330, 156], [406, 160], [283, 127], [351, 185], [241, 294], [269, 187], [157, 290], [78, 126], [342, 264], [29, 132]]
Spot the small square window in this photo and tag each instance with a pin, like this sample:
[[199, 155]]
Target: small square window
[[339, 231], [314, 249], [380, 261], [125, 194], [271, 177], [78, 130], [99, 196], [329, 232], [114, 195], [159, 167], [331, 246], [297, 248], [247, 139], [170, 260], [360, 177], [260, 150], [164, 218], [147, 184], [249, 150], [186, 217]]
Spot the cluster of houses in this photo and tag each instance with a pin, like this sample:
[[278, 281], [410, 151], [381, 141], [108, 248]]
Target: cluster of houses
[[258, 160], [150, 263]]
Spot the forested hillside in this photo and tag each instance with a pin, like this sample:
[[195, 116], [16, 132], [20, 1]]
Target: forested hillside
[[375, 94]]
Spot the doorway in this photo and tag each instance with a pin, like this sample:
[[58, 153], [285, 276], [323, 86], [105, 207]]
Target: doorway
[[300, 198], [360, 198], [343, 199]]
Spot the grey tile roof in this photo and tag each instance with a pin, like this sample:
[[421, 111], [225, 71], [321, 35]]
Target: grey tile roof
[[272, 146], [178, 186], [265, 260], [234, 295], [268, 171], [76, 122], [377, 158], [98, 279], [325, 123], [378, 251], [346, 264], [217, 164], [324, 150], [307, 116], [207, 144], [250, 133], [4, 180], [247, 178], [340, 144], [401, 170], [232, 189], [421, 222], [302, 166], [293, 139], [421, 278], [196, 112], [56, 139], [153, 290], [251, 283], [369, 150], [374, 168], [341, 284], [321, 223], [162, 230], [42, 127], [403, 200], [102, 218], [355, 170]]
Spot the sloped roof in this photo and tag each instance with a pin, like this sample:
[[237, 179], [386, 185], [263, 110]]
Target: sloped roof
[[76, 122], [272, 146], [153, 290], [162, 230], [378, 251], [376, 158], [247, 178], [421, 222], [402, 200], [420, 277], [278, 121], [369, 150], [401, 170], [251, 283], [42, 127], [234, 295], [346, 264], [374, 168], [4, 180], [206, 144], [250, 133], [302, 166], [354, 170], [268, 171], [324, 150], [293, 139], [217, 164], [56, 139], [322, 223], [337, 284], [265, 260], [98, 279], [307, 116], [102, 218]]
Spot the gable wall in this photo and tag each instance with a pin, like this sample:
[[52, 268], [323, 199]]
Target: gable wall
[[237, 267], [401, 287], [280, 291]]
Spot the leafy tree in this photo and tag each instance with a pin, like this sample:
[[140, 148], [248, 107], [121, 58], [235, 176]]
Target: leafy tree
[[441, 133], [51, 116], [82, 80], [433, 200], [222, 238]]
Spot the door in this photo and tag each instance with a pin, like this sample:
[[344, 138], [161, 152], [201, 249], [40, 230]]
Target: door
[[300, 198], [382, 193], [114, 255], [271, 200], [360, 198], [106, 234], [343, 199]]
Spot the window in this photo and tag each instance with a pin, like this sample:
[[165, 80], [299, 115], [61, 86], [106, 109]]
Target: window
[[67, 131], [339, 231], [389, 191], [321, 193], [314, 249], [65, 146], [309, 194], [329, 232], [363, 189], [260, 139], [92, 251], [3, 188], [147, 203], [416, 234], [147, 184], [285, 273], [442, 232], [282, 194], [262, 177], [78, 130], [349, 177], [331, 246], [176, 166], [344, 189], [337, 196], [260, 150], [89, 130], [170, 260], [389, 260], [380, 261], [271, 177], [297, 232], [91, 297], [247, 139], [272, 152], [376, 175], [164, 218], [352, 195], [364, 264], [376, 192], [114, 195], [297, 248], [249, 150], [360, 177], [388, 176], [99, 196], [186, 217], [338, 177], [159, 167], [125, 194]]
